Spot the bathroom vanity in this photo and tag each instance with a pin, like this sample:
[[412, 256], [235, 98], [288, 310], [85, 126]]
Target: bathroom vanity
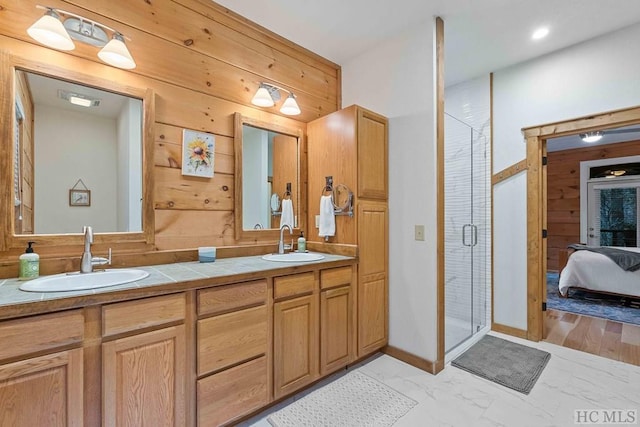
[[192, 344]]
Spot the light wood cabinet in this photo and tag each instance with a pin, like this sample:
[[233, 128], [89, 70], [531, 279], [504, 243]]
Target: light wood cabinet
[[43, 391], [233, 352], [144, 375], [372, 155], [373, 289], [295, 344], [41, 379], [144, 379], [335, 329], [352, 146]]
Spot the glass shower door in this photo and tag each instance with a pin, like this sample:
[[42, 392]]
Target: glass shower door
[[466, 228]]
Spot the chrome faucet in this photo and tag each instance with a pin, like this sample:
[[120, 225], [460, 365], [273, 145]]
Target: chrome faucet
[[86, 266], [281, 242], [88, 261]]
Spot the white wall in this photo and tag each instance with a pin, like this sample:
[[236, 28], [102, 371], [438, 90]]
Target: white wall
[[71, 146], [255, 189], [396, 79], [129, 182], [596, 76]]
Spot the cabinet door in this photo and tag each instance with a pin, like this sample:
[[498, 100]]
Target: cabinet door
[[373, 292], [295, 344], [43, 391], [335, 329], [372, 155], [143, 381]]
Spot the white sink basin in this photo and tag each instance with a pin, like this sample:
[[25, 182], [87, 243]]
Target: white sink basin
[[77, 281], [293, 257]]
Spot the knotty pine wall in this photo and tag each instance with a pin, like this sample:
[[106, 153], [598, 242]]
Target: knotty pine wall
[[563, 192], [203, 63]]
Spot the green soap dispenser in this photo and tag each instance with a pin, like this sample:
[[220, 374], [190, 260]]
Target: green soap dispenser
[[302, 243], [29, 264]]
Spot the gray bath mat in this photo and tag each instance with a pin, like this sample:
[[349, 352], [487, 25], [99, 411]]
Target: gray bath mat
[[504, 362], [350, 401]]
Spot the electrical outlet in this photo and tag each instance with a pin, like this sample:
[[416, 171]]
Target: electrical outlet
[[419, 232], [317, 221]]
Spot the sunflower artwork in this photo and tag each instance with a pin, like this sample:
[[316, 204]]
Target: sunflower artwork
[[197, 153]]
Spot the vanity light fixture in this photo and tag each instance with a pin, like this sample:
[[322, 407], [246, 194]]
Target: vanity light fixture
[[268, 94], [592, 136], [58, 28]]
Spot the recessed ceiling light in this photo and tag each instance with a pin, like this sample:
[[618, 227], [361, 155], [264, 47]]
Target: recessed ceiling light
[[540, 33], [593, 136]]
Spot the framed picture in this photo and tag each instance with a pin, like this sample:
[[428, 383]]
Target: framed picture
[[197, 153], [79, 197]]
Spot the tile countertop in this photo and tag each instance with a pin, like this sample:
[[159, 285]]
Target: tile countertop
[[162, 279]]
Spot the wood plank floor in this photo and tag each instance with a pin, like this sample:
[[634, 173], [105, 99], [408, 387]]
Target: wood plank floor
[[606, 338]]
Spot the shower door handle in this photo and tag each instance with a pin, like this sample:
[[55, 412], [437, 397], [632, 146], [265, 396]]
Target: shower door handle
[[464, 235], [474, 236]]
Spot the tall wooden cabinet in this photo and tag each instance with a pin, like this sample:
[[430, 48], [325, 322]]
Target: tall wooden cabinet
[[351, 145]]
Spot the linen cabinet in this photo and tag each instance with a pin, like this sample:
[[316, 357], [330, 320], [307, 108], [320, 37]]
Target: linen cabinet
[[351, 146]]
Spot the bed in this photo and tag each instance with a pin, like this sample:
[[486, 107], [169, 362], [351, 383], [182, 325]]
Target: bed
[[597, 272]]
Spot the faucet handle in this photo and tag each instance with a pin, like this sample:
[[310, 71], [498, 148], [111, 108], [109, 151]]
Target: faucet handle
[[98, 260]]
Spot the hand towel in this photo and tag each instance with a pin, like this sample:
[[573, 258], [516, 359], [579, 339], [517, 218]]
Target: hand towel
[[327, 217], [287, 213]]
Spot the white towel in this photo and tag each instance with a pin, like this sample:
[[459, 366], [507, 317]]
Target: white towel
[[287, 213], [327, 217]]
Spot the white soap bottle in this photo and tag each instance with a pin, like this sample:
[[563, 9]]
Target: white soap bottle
[[29, 264]]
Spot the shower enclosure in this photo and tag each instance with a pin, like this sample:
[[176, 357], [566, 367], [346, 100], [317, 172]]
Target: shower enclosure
[[467, 232]]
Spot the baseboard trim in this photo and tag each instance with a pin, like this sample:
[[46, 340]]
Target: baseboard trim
[[509, 330], [413, 360]]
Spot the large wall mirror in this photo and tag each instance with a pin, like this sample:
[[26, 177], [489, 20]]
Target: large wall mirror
[[268, 178], [78, 153]]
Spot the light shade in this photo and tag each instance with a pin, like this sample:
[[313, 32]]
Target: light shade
[[116, 53], [49, 31], [290, 106], [263, 98], [591, 136]]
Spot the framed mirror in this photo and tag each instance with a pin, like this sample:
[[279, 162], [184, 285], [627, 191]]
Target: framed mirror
[[269, 166], [74, 134]]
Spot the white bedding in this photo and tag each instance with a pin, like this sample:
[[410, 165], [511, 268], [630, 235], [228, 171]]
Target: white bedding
[[590, 270]]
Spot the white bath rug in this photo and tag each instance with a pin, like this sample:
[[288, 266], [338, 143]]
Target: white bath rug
[[350, 401]]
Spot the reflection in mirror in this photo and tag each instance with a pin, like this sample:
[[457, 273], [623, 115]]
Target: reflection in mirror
[[269, 165], [69, 136]]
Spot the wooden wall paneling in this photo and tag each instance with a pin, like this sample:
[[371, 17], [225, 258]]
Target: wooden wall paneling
[[156, 57], [285, 170], [168, 149], [174, 191], [176, 229], [260, 34], [208, 36], [563, 195]]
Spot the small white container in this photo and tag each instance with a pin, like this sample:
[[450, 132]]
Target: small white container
[[207, 254]]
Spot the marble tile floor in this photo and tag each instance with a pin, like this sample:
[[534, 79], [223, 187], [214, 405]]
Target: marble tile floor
[[572, 380]]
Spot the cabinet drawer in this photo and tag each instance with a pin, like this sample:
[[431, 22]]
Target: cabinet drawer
[[295, 284], [145, 313], [233, 393], [231, 338], [335, 277], [21, 337], [227, 298]]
